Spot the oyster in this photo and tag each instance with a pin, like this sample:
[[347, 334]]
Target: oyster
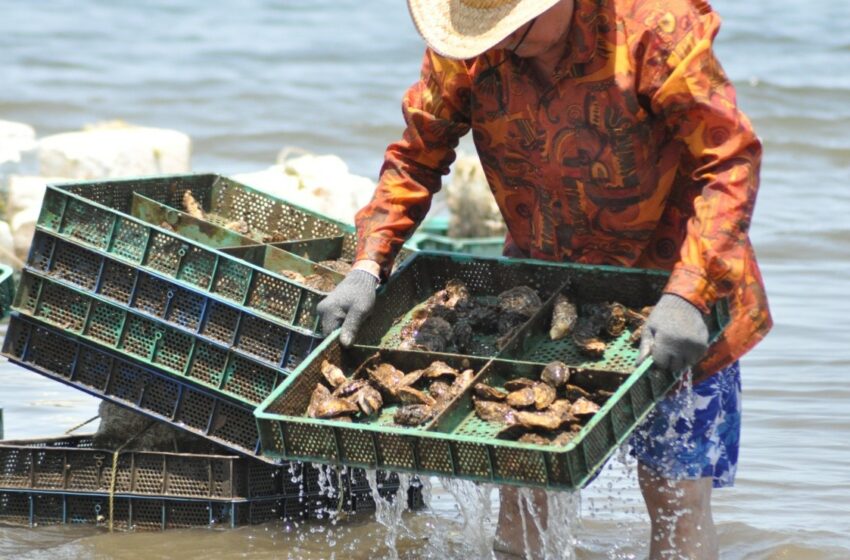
[[292, 275], [438, 369], [615, 319], [319, 282], [563, 409], [339, 265], [239, 226], [564, 317], [435, 334], [563, 438], [521, 398], [410, 379], [544, 395], [574, 392], [583, 408], [586, 336], [440, 390], [320, 394], [409, 395], [556, 374], [484, 318], [192, 207], [547, 420], [333, 374], [274, 237], [462, 381], [454, 292], [488, 393], [491, 411], [332, 406], [462, 335], [413, 414], [518, 383], [531, 437], [521, 300], [386, 377], [369, 400], [349, 388]]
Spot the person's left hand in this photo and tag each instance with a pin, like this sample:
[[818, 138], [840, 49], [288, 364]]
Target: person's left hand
[[675, 334]]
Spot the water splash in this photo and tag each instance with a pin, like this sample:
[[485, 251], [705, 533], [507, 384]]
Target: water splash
[[389, 510], [474, 503]]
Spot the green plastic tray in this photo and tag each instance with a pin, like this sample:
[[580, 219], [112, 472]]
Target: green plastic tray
[[219, 367], [97, 215], [7, 289], [457, 443], [476, 246]]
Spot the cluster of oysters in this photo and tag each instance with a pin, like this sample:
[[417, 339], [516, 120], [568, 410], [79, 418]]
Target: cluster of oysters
[[549, 411], [449, 320], [592, 325], [422, 393]]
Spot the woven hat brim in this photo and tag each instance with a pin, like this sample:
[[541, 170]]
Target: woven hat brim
[[456, 30]]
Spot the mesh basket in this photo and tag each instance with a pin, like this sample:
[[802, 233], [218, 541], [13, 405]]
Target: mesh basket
[[98, 216], [457, 443]]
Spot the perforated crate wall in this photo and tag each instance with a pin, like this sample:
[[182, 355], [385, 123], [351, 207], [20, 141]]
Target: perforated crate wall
[[108, 230], [62, 357], [229, 367]]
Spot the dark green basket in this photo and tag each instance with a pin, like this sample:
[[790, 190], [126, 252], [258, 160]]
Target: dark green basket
[[475, 246], [7, 289], [457, 443]]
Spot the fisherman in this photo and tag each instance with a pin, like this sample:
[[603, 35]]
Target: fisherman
[[609, 135]]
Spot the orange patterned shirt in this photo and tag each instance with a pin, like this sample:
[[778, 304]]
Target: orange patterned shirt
[[633, 154]]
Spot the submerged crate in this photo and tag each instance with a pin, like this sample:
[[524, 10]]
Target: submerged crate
[[61, 356], [457, 443], [99, 217], [67, 481]]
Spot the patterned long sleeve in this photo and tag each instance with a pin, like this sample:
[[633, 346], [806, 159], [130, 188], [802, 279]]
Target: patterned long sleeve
[[687, 86], [436, 111]]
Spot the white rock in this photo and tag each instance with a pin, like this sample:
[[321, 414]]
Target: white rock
[[17, 148], [23, 228], [320, 183], [472, 207], [114, 150]]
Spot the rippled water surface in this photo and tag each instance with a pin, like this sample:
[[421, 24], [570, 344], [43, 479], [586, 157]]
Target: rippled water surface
[[246, 78]]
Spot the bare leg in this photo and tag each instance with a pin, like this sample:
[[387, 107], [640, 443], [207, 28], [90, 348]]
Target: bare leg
[[680, 514], [517, 535]]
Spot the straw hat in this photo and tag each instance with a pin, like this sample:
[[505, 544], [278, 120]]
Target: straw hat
[[466, 28]]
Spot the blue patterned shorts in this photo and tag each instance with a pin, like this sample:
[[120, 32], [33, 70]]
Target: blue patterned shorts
[[690, 437]]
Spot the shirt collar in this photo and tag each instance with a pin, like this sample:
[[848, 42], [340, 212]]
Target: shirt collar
[[583, 38]]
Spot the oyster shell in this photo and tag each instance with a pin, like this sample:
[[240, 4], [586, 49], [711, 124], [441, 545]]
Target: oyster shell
[[586, 336], [492, 411], [547, 420], [488, 393], [410, 379], [583, 408], [320, 394], [556, 374], [192, 207], [544, 395], [462, 381], [438, 369], [564, 317], [413, 414], [574, 392], [332, 406], [333, 374], [518, 383], [521, 300], [409, 395], [386, 377], [239, 226], [369, 400], [563, 438], [292, 275], [339, 265], [319, 282], [440, 390], [601, 396], [349, 388], [534, 438], [454, 292], [521, 398], [434, 335]]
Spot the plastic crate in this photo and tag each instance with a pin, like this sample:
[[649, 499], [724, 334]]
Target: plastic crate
[[98, 216], [63, 357], [475, 246], [457, 443], [72, 464], [7, 289]]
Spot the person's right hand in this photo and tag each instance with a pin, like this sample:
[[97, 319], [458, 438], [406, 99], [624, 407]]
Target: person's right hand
[[348, 305]]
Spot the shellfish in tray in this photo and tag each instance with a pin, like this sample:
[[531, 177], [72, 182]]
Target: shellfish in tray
[[564, 317], [413, 414], [332, 374], [492, 411], [386, 377]]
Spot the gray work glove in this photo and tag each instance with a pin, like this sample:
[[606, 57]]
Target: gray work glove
[[675, 334], [348, 305]]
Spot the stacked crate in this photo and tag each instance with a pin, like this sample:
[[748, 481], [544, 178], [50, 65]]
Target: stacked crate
[[186, 319]]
